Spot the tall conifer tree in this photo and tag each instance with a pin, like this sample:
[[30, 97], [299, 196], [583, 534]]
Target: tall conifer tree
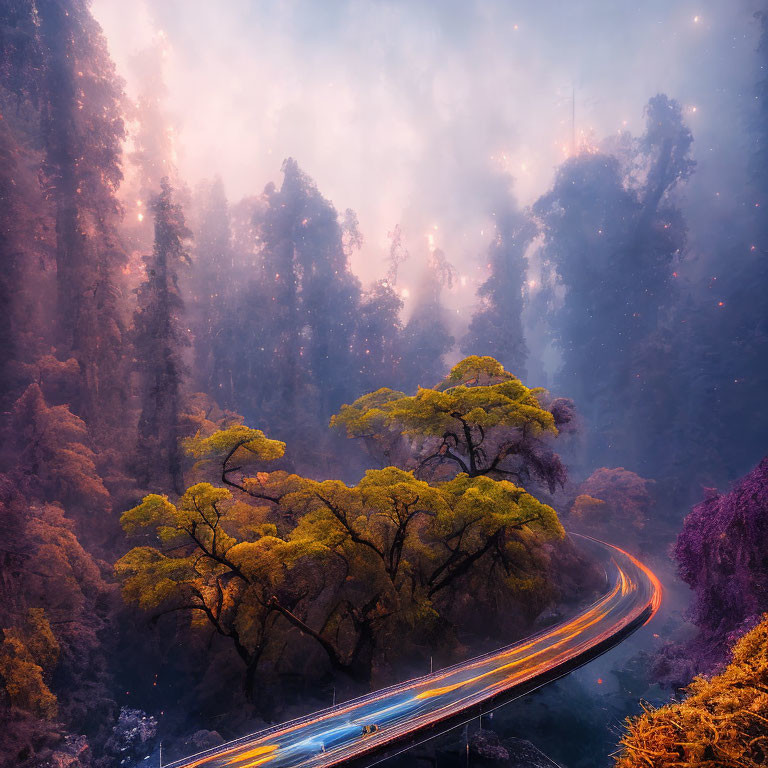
[[159, 337]]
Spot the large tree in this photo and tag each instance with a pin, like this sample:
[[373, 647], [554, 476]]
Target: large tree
[[480, 420], [348, 567], [82, 129], [212, 289], [426, 338], [329, 290], [218, 562], [311, 295], [612, 233], [159, 336], [376, 345], [496, 328], [26, 250], [61, 291]]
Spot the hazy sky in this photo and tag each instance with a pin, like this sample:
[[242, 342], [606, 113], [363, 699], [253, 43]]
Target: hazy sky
[[424, 113]]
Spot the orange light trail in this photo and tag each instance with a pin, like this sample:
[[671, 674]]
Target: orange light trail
[[264, 749], [577, 625], [557, 631], [260, 750], [655, 583]]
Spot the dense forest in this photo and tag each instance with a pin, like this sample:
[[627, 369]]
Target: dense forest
[[236, 481]]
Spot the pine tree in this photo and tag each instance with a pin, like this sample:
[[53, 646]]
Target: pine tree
[[377, 340], [25, 258], [329, 291], [212, 287], [82, 130], [612, 239], [496, 328], [426, 337], [301, 313], [159, 337]]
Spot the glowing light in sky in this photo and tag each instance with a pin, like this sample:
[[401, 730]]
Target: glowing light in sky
[[294, 111]]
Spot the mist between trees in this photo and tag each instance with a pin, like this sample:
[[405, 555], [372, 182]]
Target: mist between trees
[[188, 370]]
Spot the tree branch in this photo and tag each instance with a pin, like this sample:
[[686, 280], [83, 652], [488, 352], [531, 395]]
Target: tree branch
[[333, 655]]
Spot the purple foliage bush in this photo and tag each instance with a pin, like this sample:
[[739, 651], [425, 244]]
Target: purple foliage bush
[[722, 554]]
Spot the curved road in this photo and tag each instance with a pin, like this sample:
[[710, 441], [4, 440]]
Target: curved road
[[338, 734]]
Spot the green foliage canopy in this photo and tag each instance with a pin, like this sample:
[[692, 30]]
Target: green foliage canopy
[[382, 551], [481, 420], [234, 449]]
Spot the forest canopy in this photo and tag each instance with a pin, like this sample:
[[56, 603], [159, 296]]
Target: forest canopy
[[481, 420]]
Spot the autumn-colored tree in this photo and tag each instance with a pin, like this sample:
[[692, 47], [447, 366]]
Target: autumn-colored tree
[[201, 416], [366, 420], [720, 724], [158, 339], [59, 380], [492, 518], [49, 460], [408, 541], [374, 530], [614, 503], [54, 460], [221, 560], [379, 513], [233, 453], [481, 420], [52, 604], [391, 496], [28, 655]]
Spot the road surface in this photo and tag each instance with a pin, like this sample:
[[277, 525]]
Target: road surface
[[374, 722]]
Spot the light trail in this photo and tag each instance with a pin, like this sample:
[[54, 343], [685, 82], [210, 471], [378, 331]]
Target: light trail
[[335, 735]]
